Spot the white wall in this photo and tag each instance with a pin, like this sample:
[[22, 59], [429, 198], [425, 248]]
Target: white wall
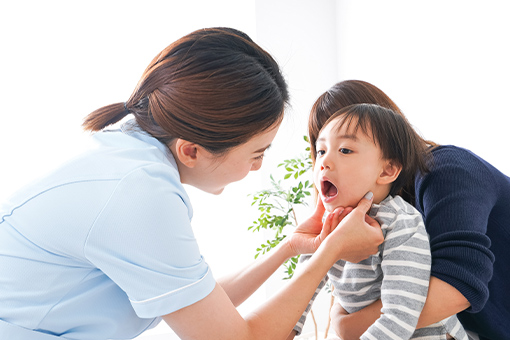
[[443, 62], [61, 60]]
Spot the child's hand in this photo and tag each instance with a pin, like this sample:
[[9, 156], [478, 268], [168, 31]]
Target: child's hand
[[309, 235]]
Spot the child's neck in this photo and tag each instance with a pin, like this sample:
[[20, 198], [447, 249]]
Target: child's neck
[[381, 193]]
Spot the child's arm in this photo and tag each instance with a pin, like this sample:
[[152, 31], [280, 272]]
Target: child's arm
[[405, 264], [443, 301]]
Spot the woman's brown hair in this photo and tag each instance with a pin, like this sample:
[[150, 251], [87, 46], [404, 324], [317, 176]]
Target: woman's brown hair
[[214, 87], [347, 93]]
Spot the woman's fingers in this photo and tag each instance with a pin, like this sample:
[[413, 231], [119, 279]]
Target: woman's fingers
[[319, 209], [370, 221], [333, 219], [336, 217], [365, 203]]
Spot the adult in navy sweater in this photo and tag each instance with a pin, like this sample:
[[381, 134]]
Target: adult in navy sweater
[[465, 203]]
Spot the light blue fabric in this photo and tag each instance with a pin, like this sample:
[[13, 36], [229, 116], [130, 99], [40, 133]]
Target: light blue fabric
[[102, 246]]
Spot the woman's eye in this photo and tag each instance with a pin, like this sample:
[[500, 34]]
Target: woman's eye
[[345, 151], [259, 157]]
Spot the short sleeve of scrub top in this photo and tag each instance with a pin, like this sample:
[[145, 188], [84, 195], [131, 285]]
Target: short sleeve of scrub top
[[143, 241], [102, 246]]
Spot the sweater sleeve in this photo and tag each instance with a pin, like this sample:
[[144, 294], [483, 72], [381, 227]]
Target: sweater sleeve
[[456, 199], [406, 271]]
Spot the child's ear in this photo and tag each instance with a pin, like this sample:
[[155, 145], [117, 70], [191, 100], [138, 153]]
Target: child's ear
[[186, 152], [389, 173]]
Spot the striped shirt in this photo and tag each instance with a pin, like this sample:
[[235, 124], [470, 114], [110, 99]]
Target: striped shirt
[[398, 274]]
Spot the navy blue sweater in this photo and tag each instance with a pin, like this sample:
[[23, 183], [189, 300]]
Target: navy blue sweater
[[465, 203]]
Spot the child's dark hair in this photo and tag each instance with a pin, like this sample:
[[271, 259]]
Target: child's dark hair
[[393, 134]]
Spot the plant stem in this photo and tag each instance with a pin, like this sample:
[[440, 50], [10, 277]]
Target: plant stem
[[315, 325], [329, 316], [294, 215]]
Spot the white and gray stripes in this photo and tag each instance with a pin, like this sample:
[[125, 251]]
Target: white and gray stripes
[[398, 275]]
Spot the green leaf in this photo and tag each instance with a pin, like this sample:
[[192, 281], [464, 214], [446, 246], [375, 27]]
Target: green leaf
[[276, 204]]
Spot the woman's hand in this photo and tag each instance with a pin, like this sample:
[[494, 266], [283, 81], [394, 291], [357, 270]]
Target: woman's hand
[[357, 236], [309, 235]]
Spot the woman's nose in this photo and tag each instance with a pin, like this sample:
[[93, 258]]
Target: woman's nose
[[256, 166]]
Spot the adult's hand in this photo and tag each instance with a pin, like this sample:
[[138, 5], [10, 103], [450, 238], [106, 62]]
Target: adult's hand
[[357, 236], [309, 235]]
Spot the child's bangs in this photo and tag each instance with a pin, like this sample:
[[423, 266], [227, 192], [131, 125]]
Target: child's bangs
[[354, 120]]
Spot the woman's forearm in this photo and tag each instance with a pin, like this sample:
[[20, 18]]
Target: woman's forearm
[[289, 303], [214, 317], [307, 237], [443, 300], [242, 284]]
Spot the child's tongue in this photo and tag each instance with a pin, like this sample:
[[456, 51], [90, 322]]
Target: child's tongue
[[330, 189]]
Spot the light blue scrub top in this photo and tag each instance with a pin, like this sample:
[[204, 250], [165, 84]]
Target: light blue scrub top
[[100, 248]]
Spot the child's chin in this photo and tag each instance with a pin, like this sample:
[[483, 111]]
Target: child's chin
[[331, 207]]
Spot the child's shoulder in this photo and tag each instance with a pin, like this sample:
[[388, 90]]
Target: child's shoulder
[[394, 213], [393, 206]]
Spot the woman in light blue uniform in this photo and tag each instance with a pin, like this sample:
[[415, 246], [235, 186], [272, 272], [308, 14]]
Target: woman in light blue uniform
[[103, 247]]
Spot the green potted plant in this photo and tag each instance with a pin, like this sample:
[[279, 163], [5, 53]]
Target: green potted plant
[[277, 206]]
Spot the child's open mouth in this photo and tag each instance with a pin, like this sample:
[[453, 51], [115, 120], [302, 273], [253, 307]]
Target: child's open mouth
[[328, 189]]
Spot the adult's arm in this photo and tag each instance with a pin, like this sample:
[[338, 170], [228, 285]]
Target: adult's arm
[[215, 317], [443, 300], [306, 238], [456, 199]]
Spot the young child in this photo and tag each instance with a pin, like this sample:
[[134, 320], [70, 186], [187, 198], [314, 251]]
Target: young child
[[367, 148]]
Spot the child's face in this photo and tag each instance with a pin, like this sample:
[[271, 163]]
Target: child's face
[[347, 167]]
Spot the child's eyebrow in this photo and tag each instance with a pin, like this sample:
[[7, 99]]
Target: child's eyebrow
[[347, 136]]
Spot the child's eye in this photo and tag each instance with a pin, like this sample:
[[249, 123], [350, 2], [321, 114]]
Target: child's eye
[[320, 153], [345, 151]]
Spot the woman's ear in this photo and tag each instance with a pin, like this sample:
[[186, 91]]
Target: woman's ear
[[389, 173], [186, 152]]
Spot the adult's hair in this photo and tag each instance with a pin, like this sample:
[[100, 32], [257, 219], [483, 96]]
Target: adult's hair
[[349, 92], [214, 87], [392, 133]]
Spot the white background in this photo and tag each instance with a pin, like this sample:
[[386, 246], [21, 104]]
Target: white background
[[445, 63]]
